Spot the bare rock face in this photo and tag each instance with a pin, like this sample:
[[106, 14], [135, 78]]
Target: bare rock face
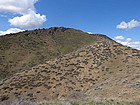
[[55, 30]]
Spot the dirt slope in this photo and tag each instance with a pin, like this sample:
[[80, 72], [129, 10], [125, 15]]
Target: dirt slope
[[104, 70], [24, 50]]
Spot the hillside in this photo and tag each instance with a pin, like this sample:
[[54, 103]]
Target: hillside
[[102, 70], [26, 49]]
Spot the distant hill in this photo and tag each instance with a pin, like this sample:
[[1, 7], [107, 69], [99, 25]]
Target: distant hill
[[102, 69], [23, 50]]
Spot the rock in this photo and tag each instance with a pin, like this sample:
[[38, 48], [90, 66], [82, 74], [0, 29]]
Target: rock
[[3, 98]]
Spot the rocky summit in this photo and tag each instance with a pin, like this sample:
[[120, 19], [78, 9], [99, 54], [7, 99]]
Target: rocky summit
[[101, 69]]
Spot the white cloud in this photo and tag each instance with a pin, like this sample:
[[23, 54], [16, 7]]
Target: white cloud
[[11, 30], [15, 6], [128, 42], [128, 25], [89, 32], [31, 20], [25, 8], [119, 38]]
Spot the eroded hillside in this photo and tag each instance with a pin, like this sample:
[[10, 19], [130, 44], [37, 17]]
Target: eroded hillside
[[102, 70], [26, 49]]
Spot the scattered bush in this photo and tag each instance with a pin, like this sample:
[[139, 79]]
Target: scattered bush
[[21, 102]]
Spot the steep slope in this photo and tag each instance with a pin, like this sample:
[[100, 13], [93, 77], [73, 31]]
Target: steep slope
[[24, 50], [102, 70]]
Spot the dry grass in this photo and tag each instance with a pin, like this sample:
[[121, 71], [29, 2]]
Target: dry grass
[[99, 70], [24, 50], [104, 70]]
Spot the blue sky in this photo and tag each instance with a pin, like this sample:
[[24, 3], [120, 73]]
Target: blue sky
[[115, 18]]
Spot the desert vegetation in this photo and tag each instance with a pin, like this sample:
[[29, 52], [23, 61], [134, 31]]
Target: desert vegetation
[[26, 49], [103, 70]]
